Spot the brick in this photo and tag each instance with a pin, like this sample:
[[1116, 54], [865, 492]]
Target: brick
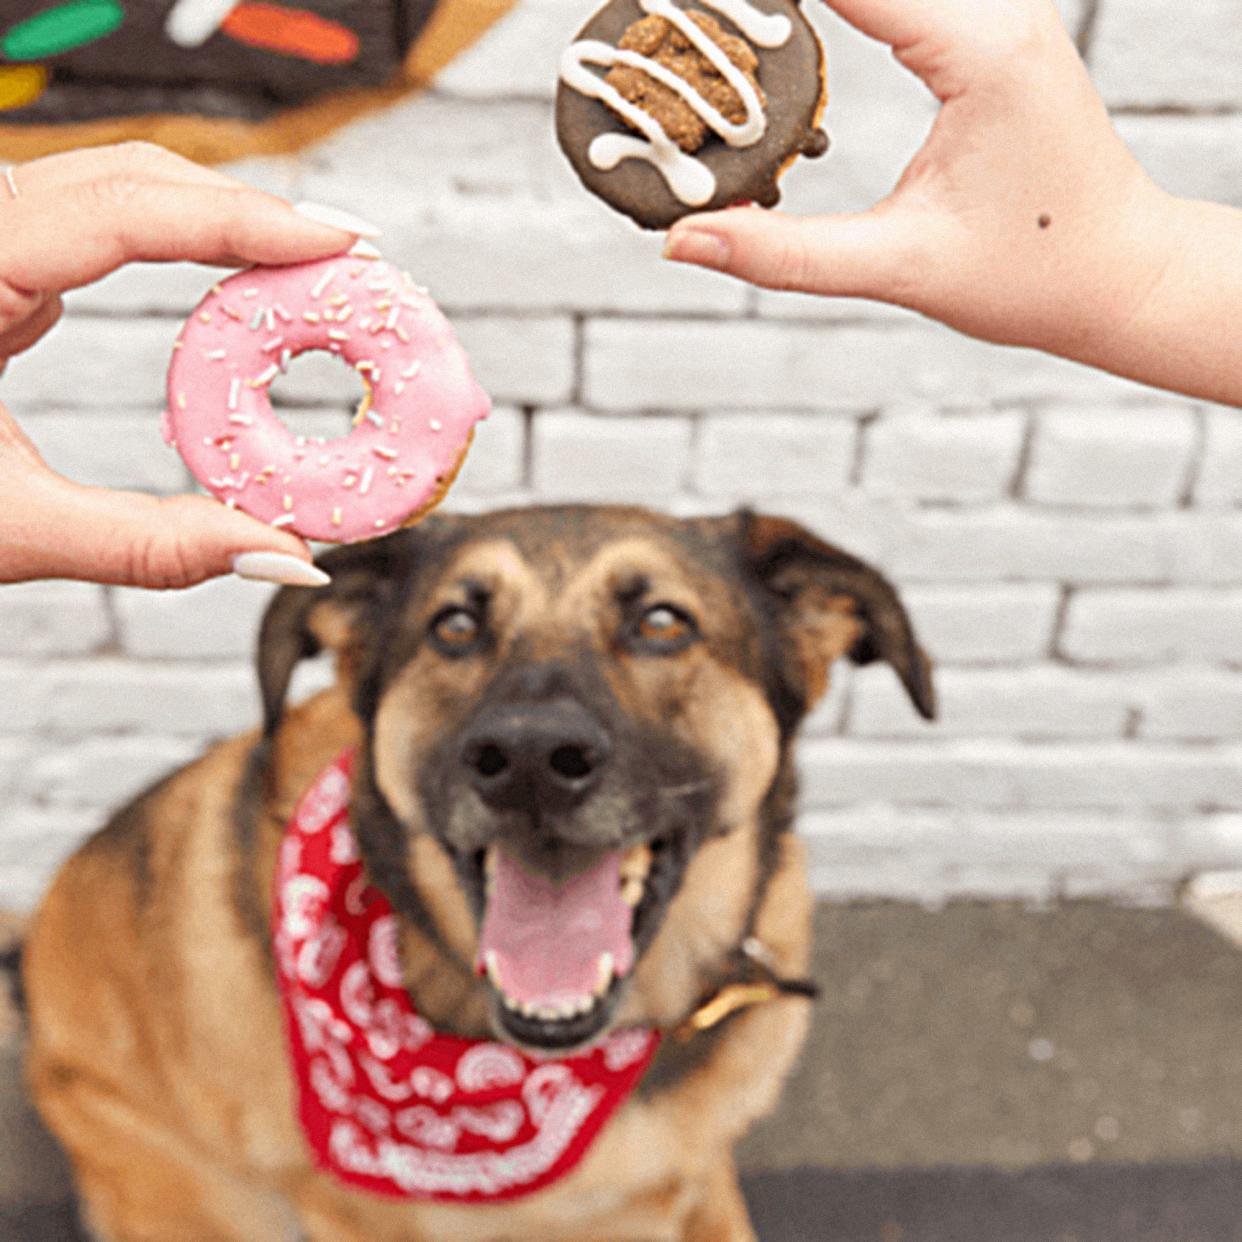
[[170, 290], [924, 854], [102, 771], [984, 624], [1146, 627], [52, 618], [316, 379], [1042, 703], [1129, 457], [112, 695], [85, 361], [1219, 485], [1005, 774], [571, 255], [520, 360], [1147, 52], [1209, 842], [13, 756], [1016, 544], [695, 364], [496, 462], [757, 455], [34, 842], [24, 695], [580, 457], [430, 146], [218, 620], [1191, 156], [114, 450], [39, 839], [1192, 705], [962, 458]]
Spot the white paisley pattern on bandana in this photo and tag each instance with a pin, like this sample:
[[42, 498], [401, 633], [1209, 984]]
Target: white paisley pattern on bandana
[[387, 1104]]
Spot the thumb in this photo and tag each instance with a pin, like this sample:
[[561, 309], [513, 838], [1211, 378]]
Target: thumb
[[857, 255], [130, 539]]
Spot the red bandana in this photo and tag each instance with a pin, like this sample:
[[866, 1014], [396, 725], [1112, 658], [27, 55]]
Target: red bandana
[[388, 1105]]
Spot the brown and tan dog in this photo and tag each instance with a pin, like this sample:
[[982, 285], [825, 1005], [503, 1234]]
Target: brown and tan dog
[[553, 683]]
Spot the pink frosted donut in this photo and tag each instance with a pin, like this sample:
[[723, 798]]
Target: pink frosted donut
[[410, 434]]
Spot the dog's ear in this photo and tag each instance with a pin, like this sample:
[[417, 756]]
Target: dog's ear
[[300, 622], [826, 604]]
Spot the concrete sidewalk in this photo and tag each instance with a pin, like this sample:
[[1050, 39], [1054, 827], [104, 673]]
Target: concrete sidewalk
[[983, 1073]]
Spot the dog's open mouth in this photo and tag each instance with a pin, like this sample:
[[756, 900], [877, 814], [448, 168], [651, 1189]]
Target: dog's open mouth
[[557, 955]]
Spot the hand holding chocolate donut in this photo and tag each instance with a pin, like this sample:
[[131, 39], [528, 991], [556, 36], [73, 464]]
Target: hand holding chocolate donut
[[665, 109], [1023, 219], [73, 219]]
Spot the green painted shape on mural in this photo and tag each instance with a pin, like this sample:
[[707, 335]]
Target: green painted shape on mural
[[61, 29]]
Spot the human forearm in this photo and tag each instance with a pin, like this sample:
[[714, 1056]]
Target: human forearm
[[1182, 332]]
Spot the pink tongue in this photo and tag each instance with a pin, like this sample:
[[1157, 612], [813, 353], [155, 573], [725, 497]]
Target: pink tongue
[[548, 938]]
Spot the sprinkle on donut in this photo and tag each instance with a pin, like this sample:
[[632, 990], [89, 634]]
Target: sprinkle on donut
[[411, 430]]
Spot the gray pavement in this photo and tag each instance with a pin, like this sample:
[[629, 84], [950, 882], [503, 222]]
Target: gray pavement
[[984, 1073]]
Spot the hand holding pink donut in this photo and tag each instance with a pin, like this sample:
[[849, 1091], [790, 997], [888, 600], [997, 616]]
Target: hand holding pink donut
[[75, 218]]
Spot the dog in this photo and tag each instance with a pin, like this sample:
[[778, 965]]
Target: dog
[[571, 732]]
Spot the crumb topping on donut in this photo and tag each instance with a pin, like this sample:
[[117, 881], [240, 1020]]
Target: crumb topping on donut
[[662, 42]]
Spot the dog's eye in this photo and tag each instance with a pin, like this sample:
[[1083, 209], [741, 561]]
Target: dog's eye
[[455, 629], [664, 627]]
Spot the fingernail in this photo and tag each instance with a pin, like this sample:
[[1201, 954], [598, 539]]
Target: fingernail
[[335, 218], [692, 246], [278, 567], [364, 250]]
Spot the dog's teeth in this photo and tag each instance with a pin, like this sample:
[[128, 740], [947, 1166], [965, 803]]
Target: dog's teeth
[[636, 863], [632, 890], [489, 862], [607, 966], [585, 1005], [493, 969]]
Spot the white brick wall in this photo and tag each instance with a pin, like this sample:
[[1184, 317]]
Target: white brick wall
[[1069, 545], [1128, 457]]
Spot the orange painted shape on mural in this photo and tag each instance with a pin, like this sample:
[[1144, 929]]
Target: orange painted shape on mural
[[21, 85], [292, 32]]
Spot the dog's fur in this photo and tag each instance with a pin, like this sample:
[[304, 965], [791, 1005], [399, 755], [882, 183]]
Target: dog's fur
[[157, 1050]]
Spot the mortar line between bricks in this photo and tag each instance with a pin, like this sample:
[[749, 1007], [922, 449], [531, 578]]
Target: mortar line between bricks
[[1196, 460], [528, 447], [1206, 111], [1060, 620], [577, 382], [1084, 37]]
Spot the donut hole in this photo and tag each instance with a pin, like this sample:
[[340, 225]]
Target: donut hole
[[319, 395]]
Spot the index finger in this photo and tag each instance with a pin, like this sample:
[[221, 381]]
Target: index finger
[[61, 242]]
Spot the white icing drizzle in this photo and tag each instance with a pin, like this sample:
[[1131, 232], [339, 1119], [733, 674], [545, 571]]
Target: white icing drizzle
[[765, 29], [689, 179]]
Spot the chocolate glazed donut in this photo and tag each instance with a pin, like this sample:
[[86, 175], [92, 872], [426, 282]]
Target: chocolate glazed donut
[[651, 181]]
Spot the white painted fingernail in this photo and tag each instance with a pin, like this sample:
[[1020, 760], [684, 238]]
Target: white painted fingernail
[[335, 218], [278, 567], [362, 249]]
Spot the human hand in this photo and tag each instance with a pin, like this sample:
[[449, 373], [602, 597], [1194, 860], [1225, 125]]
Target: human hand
[[1022, 220], [77, 217]]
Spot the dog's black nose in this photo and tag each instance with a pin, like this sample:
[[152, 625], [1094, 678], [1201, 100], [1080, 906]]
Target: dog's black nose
[[543, 755]]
